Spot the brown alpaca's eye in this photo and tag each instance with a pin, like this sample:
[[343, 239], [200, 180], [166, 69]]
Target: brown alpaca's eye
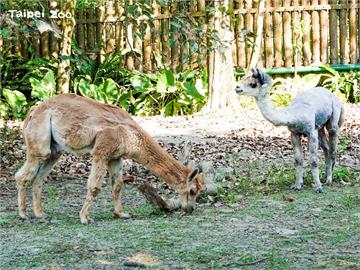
[[192, 192], [252, 85]]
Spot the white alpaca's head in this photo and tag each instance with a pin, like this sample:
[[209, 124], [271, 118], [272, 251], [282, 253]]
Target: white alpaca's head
[[255, 85]]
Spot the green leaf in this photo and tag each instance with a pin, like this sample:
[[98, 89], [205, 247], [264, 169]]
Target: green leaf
[[16, 101], [162, 83], [45, 88], [192, 91], [170, 77]]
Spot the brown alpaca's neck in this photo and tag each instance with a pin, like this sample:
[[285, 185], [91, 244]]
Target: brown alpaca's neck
[[161, 163]]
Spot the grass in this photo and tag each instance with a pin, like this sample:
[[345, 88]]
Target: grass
[[315, 231]]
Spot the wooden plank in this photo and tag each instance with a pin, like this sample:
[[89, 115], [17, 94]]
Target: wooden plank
[[343, 37], [315, 23], [147, 50], [306, 35], [324, 33], [287, 35], [353, 33], [278, 35], [333, 32], [203, 23], [249, 23], [269, 37], [186, 50], [240, 41], [297, 33]]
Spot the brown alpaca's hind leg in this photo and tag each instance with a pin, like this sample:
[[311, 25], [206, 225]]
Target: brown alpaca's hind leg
[[24, 177], [116, 174], [43, 172]]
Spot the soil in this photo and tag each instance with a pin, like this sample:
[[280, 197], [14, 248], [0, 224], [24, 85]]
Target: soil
[[253, 222]]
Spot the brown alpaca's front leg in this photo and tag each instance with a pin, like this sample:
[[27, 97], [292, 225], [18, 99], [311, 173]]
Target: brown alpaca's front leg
[[97, 174]]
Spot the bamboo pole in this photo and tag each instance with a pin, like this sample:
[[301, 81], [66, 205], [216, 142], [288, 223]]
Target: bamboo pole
[[287, 35], [343, 37], [353, 32], [324, 33], [333, 20], [249, 23], [193, 54], [17, 45], [306, 35], [269, 37], [278, 36], [240, 41]]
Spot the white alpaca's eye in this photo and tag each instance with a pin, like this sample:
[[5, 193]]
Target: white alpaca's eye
[[252, 85]]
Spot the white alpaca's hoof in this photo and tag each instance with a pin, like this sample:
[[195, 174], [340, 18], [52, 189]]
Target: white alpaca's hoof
[[296, 187], [319, 190]]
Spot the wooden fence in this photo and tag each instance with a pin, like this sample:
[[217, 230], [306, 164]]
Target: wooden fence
[[295, 32]]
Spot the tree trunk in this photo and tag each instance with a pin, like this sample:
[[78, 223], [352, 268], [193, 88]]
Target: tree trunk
[[68, 24], [221, 78]]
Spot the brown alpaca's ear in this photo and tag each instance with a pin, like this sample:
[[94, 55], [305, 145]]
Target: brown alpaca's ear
[[193, 174]]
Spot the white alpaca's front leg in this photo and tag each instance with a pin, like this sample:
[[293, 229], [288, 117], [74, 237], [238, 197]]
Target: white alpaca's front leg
[[299, 161]]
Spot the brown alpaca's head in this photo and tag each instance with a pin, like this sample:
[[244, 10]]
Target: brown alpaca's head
[[195, 184]]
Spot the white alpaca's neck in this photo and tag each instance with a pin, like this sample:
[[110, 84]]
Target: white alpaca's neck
[[274, 116]]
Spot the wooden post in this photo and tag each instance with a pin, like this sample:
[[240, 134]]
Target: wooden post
[[100, 33], [54, 44], [202, 8], [315, 33], [90, 40], [17, 45], [165, 37], [324, 32], [334, 48], [147, 50], [269, 37], [36, 45], [119, 32], [306, 35], [68, 24], [110, 27], [287, 35], [343, 37], [175, 48], [156, 33], [297, 34], [80, 30], [249, 23], [45, 45], [278, 36], [353, 29], [259, 35]]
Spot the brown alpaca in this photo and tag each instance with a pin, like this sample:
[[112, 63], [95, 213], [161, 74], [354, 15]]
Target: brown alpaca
[[80, 125]]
